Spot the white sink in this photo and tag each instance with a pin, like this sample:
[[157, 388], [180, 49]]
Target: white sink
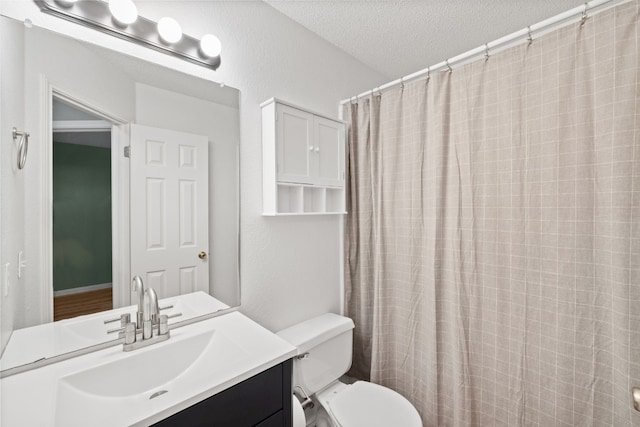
[[142, 372], [145, 374], [111, 387]]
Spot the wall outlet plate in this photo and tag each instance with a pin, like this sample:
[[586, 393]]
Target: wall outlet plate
[[22, 263]]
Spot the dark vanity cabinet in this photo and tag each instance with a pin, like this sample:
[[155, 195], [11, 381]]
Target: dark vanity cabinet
[[263, 400]]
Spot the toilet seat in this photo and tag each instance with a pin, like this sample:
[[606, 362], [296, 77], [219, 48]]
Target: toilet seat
[[363, 404]]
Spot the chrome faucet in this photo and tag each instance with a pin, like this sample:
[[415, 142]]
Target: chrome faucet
[[150, 313], [150, 326], [138, 287]]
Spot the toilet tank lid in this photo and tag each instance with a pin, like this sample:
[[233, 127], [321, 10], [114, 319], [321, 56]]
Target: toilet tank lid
[[312, 332]]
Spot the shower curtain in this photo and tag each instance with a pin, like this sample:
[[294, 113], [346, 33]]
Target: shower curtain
[[493, 236]]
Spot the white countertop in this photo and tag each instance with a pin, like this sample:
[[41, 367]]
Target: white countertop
[[35, 398]]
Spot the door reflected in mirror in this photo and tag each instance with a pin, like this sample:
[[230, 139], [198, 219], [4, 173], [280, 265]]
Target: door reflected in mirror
[[133, 169]]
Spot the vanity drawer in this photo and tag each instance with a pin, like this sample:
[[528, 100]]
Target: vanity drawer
[[263, 400], [275, 420]]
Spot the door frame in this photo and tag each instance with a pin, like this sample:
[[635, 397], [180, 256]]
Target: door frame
[[119, 196]]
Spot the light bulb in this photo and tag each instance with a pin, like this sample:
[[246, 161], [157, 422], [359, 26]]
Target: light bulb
[[169, 30], [210, 46], [124, 12]]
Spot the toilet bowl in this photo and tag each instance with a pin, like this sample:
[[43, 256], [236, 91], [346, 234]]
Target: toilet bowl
[[324, 346]]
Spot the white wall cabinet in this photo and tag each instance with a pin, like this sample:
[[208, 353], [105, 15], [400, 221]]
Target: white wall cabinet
[[303, 161]]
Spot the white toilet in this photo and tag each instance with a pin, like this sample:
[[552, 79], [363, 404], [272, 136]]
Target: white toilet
[[324, 354]]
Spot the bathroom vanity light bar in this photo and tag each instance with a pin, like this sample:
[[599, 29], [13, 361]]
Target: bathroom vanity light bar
[[119, 18]]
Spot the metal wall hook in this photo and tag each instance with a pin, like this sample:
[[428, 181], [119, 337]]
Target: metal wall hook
[[23, 145]]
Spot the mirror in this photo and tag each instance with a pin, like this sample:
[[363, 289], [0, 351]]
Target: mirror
[[83, 217]]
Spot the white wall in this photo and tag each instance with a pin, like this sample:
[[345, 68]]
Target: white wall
[[290, 267], [219, 123], [12, 180]]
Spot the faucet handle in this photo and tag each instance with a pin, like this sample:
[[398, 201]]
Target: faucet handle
[[124, 319], [129, 332], [163, 328]]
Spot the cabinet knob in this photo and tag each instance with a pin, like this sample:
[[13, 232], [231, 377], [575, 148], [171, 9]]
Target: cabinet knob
[[317, 149], [311, 148]]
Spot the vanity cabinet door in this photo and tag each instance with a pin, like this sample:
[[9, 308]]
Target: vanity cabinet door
[[263, 400]]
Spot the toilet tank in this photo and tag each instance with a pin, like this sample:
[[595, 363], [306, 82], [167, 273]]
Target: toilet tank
[[328, 341]]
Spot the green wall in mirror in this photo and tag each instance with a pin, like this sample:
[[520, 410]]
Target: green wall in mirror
[[81, 216]]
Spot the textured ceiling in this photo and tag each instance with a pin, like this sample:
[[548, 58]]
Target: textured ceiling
[[399, 37]]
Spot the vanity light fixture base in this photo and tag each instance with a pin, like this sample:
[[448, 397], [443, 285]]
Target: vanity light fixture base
[[95, 14]]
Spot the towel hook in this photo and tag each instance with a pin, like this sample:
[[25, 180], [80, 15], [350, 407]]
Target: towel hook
[[23, 145]]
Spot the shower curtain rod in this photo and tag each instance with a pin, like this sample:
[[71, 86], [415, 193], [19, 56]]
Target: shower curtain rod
[[486, 50]]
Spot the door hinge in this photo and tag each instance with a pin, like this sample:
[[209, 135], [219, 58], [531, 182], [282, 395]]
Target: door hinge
[[127, 151]]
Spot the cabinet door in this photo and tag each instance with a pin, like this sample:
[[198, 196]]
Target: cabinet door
[[327, 156], [293, 144]]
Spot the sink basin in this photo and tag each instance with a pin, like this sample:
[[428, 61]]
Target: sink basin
[[151, 373], [150, 369]]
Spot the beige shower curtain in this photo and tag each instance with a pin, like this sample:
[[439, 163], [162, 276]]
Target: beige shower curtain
[[493, 239]]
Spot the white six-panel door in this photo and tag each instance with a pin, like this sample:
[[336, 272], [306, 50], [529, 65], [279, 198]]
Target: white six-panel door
[[169, 210]]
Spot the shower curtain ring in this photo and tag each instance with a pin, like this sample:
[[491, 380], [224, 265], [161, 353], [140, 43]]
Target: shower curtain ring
[[402, 83], [377, 90], [530, 38], [585, 16], [428, 74], [486, 52], [448, 65]]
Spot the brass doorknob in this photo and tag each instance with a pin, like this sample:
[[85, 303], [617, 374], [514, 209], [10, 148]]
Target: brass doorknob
[[202, 255]]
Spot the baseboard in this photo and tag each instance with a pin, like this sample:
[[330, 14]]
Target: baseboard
[[81, 289]]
